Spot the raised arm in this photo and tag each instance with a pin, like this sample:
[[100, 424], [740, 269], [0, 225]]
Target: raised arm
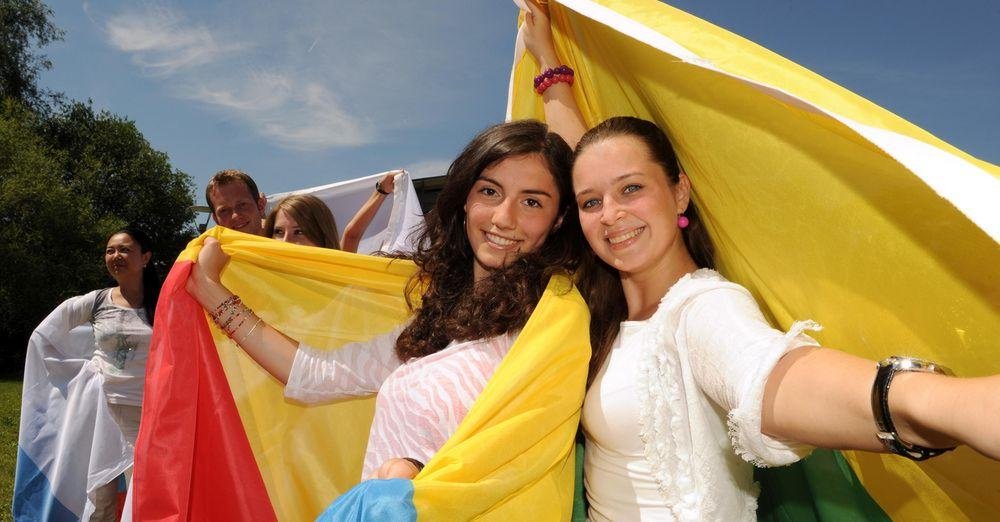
[[823, 397], [273, 350], [355, 230], [561, 110]]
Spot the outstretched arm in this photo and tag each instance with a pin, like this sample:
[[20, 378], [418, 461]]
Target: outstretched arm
[[355, 230], [822, 397], [273, 350], [561, 110]]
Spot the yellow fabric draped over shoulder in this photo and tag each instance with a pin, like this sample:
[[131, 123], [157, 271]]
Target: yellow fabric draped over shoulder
[[823, 204], [512, 455], [512, 458]]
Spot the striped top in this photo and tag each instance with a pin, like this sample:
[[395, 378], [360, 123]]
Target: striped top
[[420, 402]]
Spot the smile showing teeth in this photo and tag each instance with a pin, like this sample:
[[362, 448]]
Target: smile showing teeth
[[626, 236], [499, 241]]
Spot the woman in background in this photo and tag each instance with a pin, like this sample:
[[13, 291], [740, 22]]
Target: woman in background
[[123, 325], [66, 439], [304, 220]]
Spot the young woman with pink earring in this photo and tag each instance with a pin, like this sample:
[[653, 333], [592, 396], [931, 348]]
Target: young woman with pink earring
[[690, 386]]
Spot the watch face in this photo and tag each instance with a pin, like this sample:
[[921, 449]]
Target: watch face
[[901, 363]]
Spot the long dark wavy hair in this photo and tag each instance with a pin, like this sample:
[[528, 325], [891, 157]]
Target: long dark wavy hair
[[150, 279], [452, 307], [601, 284]]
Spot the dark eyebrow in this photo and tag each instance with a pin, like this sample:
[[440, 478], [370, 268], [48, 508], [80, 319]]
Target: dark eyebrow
[[535, 192], [616, 179], [490, 180]]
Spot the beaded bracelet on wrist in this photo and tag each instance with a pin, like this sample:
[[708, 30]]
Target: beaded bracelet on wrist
[[552, 76], [243, 319], [233, 312], [225, 305], [231, 309]]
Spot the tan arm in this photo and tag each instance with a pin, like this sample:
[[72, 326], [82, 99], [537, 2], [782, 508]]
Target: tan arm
[[355, 230], [561, 110], [822, 397], [273, 350]]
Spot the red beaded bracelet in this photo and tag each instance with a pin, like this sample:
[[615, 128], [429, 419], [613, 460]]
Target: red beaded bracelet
[[552, 76]]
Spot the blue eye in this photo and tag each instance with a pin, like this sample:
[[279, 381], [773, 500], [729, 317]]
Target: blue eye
[[589, 203], [632, 187]]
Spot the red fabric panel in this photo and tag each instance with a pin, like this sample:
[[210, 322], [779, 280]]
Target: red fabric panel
[[192, 458]]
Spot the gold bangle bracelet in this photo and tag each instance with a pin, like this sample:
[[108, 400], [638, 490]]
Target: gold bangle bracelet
[[252, 328]]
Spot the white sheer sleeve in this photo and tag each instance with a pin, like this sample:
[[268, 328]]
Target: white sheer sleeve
[[71, 313], [354, 370], [732, 350]]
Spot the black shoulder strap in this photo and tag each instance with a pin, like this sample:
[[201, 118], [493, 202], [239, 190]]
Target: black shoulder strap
[[97, 301]]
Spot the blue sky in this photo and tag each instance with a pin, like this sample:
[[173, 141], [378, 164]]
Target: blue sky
[[309, 92]]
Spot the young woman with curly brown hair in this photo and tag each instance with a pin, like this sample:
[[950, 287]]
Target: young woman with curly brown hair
[[499, 229]]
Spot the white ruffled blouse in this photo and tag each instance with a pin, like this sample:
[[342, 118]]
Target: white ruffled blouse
[[673, 419]]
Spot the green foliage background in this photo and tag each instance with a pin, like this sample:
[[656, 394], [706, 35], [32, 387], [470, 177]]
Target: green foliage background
[[69, 176]]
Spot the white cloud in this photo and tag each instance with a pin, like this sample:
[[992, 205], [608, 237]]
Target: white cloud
[[284, 104], [323, 75], [294, 115], [315, 122], [259, 91], [158, 40]]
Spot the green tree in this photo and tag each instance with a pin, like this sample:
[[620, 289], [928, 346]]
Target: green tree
[[107, 160], [67, 180], [48, 232], [25, 26], [69, 176]]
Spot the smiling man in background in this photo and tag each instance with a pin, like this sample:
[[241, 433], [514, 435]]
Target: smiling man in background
[[235, 201]]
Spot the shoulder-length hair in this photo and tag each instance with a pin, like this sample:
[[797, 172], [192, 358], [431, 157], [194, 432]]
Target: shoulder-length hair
[[452, 307], [313, 217]]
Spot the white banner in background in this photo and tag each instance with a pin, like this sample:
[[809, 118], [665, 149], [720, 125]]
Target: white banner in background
[[393, 226]]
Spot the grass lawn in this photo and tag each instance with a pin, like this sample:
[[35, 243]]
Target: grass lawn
[[10, 415]]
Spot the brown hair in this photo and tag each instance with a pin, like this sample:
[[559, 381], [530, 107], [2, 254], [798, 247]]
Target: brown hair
[[225, 177], [313, 217], [452, 307], [599, 282]]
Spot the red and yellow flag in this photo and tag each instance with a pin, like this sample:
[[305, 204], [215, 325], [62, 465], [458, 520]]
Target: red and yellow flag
[[220, 442]]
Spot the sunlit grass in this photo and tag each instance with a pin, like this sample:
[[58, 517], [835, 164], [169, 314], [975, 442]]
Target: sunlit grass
[[10, 414]]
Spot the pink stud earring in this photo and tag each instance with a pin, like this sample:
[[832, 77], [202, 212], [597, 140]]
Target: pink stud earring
[[683, 221]]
